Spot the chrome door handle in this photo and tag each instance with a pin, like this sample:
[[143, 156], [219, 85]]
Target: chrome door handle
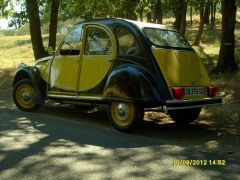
[[110, 60]]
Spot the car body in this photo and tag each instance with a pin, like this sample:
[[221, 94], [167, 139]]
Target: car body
[[128, 65]]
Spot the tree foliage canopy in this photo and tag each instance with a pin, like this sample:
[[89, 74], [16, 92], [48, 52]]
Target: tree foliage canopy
[[6, 8]]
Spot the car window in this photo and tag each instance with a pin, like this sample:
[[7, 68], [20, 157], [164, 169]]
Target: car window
[[98, 42], [128, 45], [71, 44], [160, 37]]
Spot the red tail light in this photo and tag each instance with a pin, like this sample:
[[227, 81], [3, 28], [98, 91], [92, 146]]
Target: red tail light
[[212, 91], [178, 92]]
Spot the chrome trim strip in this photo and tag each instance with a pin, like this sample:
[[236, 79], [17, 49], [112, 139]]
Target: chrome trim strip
[[75, 97], [190, 107], [188, 104], [192, 100]]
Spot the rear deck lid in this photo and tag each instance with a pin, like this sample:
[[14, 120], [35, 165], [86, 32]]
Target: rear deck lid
[[181, 68]]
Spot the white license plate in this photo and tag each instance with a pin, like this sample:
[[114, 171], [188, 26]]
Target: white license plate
[[194, 91]]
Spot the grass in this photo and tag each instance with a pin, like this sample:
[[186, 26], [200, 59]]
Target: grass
[[18, 49], [14, 50]]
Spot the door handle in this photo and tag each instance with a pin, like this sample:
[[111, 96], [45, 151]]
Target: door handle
[[110, 60]]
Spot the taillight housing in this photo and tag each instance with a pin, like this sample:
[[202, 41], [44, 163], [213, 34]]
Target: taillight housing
[[178, 92], [212, 91]]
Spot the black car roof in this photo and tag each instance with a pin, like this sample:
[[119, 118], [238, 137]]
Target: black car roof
[[125, 22]]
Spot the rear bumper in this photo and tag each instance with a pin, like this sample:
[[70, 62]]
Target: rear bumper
[[193, 103]]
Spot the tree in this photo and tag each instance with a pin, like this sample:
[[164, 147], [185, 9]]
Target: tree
[[201, 24], [35, 30], [213, 8], [18, 19], [180, 10], [158, 12], [226, 60], [6, 8], [53, 24], [207, 11]]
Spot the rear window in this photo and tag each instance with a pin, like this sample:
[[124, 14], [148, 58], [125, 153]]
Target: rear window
[[161, 37]]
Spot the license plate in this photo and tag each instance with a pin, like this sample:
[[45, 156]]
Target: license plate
[[194, 91]]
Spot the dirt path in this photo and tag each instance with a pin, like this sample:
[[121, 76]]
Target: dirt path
[[63, 141]]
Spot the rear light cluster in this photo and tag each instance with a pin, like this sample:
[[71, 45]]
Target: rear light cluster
[[212, 91], [178, 92]]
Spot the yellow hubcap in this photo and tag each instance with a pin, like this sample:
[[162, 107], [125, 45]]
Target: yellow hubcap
[[122, 113], [25, 96]]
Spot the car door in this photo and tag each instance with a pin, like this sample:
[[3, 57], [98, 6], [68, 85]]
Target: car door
[[98, 53], [64, 70]]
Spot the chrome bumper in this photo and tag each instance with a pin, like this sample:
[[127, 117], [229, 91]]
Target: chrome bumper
[[193, 103]]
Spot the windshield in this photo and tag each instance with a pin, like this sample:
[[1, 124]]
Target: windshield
[[161, 37]]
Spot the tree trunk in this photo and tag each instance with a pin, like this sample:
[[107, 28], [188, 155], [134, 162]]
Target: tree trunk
[[131, 15], [178, 15], [183, 20], [207, 12], [130, 9], [35, 30], [191, 13], [201, 24], [213, 14], [159, 11], [53, 24], [149, 17], [141, 14], [180, 10], [226, 60]]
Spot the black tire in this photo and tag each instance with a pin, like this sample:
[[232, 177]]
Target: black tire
[[27, 103], [125, 123], [184, 116]]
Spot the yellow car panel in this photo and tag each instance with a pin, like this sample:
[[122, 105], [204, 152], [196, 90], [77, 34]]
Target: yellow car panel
[[181, 68], [44, 68], [64, 73], [93, 70]]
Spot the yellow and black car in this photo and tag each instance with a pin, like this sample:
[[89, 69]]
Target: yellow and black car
[[127, 65]]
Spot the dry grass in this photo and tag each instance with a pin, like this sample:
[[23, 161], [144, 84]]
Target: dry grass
[[14, 50]]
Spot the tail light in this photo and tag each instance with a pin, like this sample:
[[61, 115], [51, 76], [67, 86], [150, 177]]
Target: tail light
[[212, 91], [178, 92]]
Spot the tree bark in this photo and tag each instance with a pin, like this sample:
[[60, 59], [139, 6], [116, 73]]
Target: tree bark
[[159, 12], [35, 30], [183, 18], [178, 14], [226, 60], [213, 14], [149, 17], [141, 14], [53, 24], [207, 12], [130, 9], [191, 13], [180, 10], [201, 24]]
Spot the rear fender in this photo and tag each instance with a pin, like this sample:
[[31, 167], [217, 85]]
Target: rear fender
[[133, 83]]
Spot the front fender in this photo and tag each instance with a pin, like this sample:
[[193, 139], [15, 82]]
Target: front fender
[[131, 82], [32, 73]]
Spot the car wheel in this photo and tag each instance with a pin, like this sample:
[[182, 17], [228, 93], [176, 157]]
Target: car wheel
[[184, 116], [24, 96], [125, 116]]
